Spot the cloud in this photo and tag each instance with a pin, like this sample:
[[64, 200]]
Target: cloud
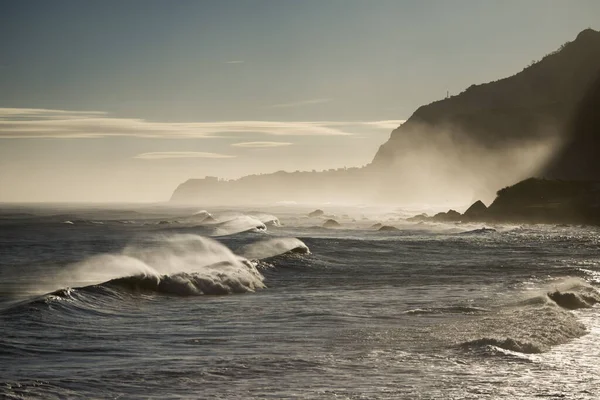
[[161, 155], [301, 103], [18, 123], [386, 124], [261, 144], [22, 123], [42, 113], [234, 62]]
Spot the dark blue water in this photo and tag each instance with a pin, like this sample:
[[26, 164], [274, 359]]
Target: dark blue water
[[159, 303]]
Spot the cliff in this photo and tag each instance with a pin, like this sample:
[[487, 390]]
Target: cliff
[[540, 102]]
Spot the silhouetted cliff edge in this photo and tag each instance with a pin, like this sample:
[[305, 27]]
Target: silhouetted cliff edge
[[541, 102], [543, 121]]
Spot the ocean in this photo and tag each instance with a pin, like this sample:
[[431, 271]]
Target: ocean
[[152, 302]]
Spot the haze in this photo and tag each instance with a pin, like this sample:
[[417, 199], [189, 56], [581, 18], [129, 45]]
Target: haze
[[122, 101]]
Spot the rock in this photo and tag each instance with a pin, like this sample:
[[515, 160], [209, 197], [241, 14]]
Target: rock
[[316, 213], [376, 226], [388, 228], [450, 216], [548, 201], [476, 211], [418, 218], [331, 223]]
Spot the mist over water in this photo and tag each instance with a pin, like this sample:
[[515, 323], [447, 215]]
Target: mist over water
[[440, 165]]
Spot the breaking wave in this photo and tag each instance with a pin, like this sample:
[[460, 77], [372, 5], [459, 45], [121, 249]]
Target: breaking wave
[[272, 248], [238, 224], [535, 324], [182, 264], [267, 219]]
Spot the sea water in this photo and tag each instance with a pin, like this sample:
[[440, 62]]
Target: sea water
[[244, 304]]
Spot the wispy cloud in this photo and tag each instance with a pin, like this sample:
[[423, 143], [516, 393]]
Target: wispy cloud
[[160, 155], [234, 62], [301, 103], [261, 144], [35, 123], [386, 124], [22, 123]]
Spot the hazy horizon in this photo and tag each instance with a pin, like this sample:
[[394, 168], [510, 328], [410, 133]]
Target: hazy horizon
[[122, 102]]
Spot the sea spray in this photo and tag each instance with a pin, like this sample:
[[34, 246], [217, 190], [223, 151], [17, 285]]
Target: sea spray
[[272, 247], [166, 263]]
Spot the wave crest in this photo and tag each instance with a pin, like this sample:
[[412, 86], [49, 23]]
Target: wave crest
[[182, 263], [506, 344], [272, 248]]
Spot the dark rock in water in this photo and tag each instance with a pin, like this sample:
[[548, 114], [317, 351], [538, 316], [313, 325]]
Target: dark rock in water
[[418, 218], [316, 213], [450, 216], [164, 223], [331, 223], [388, 228], [476, 211], [376, 226]]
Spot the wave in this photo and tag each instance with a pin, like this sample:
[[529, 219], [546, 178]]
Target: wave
[[506, 344], [480, 231], [574, 300], [183, 264], [238, 224], [568, 293], [272, 248], [190, 284], [202, 217], [532, 325], [447, 310], [267, 219]]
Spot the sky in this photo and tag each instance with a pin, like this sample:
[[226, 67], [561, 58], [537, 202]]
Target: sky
[[123, 100]]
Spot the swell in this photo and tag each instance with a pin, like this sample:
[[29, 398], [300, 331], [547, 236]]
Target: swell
[[187, 284], [274, 247], [535, 324], [180, 265]]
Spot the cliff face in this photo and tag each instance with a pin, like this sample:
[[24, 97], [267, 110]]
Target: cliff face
[[551, 102]]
